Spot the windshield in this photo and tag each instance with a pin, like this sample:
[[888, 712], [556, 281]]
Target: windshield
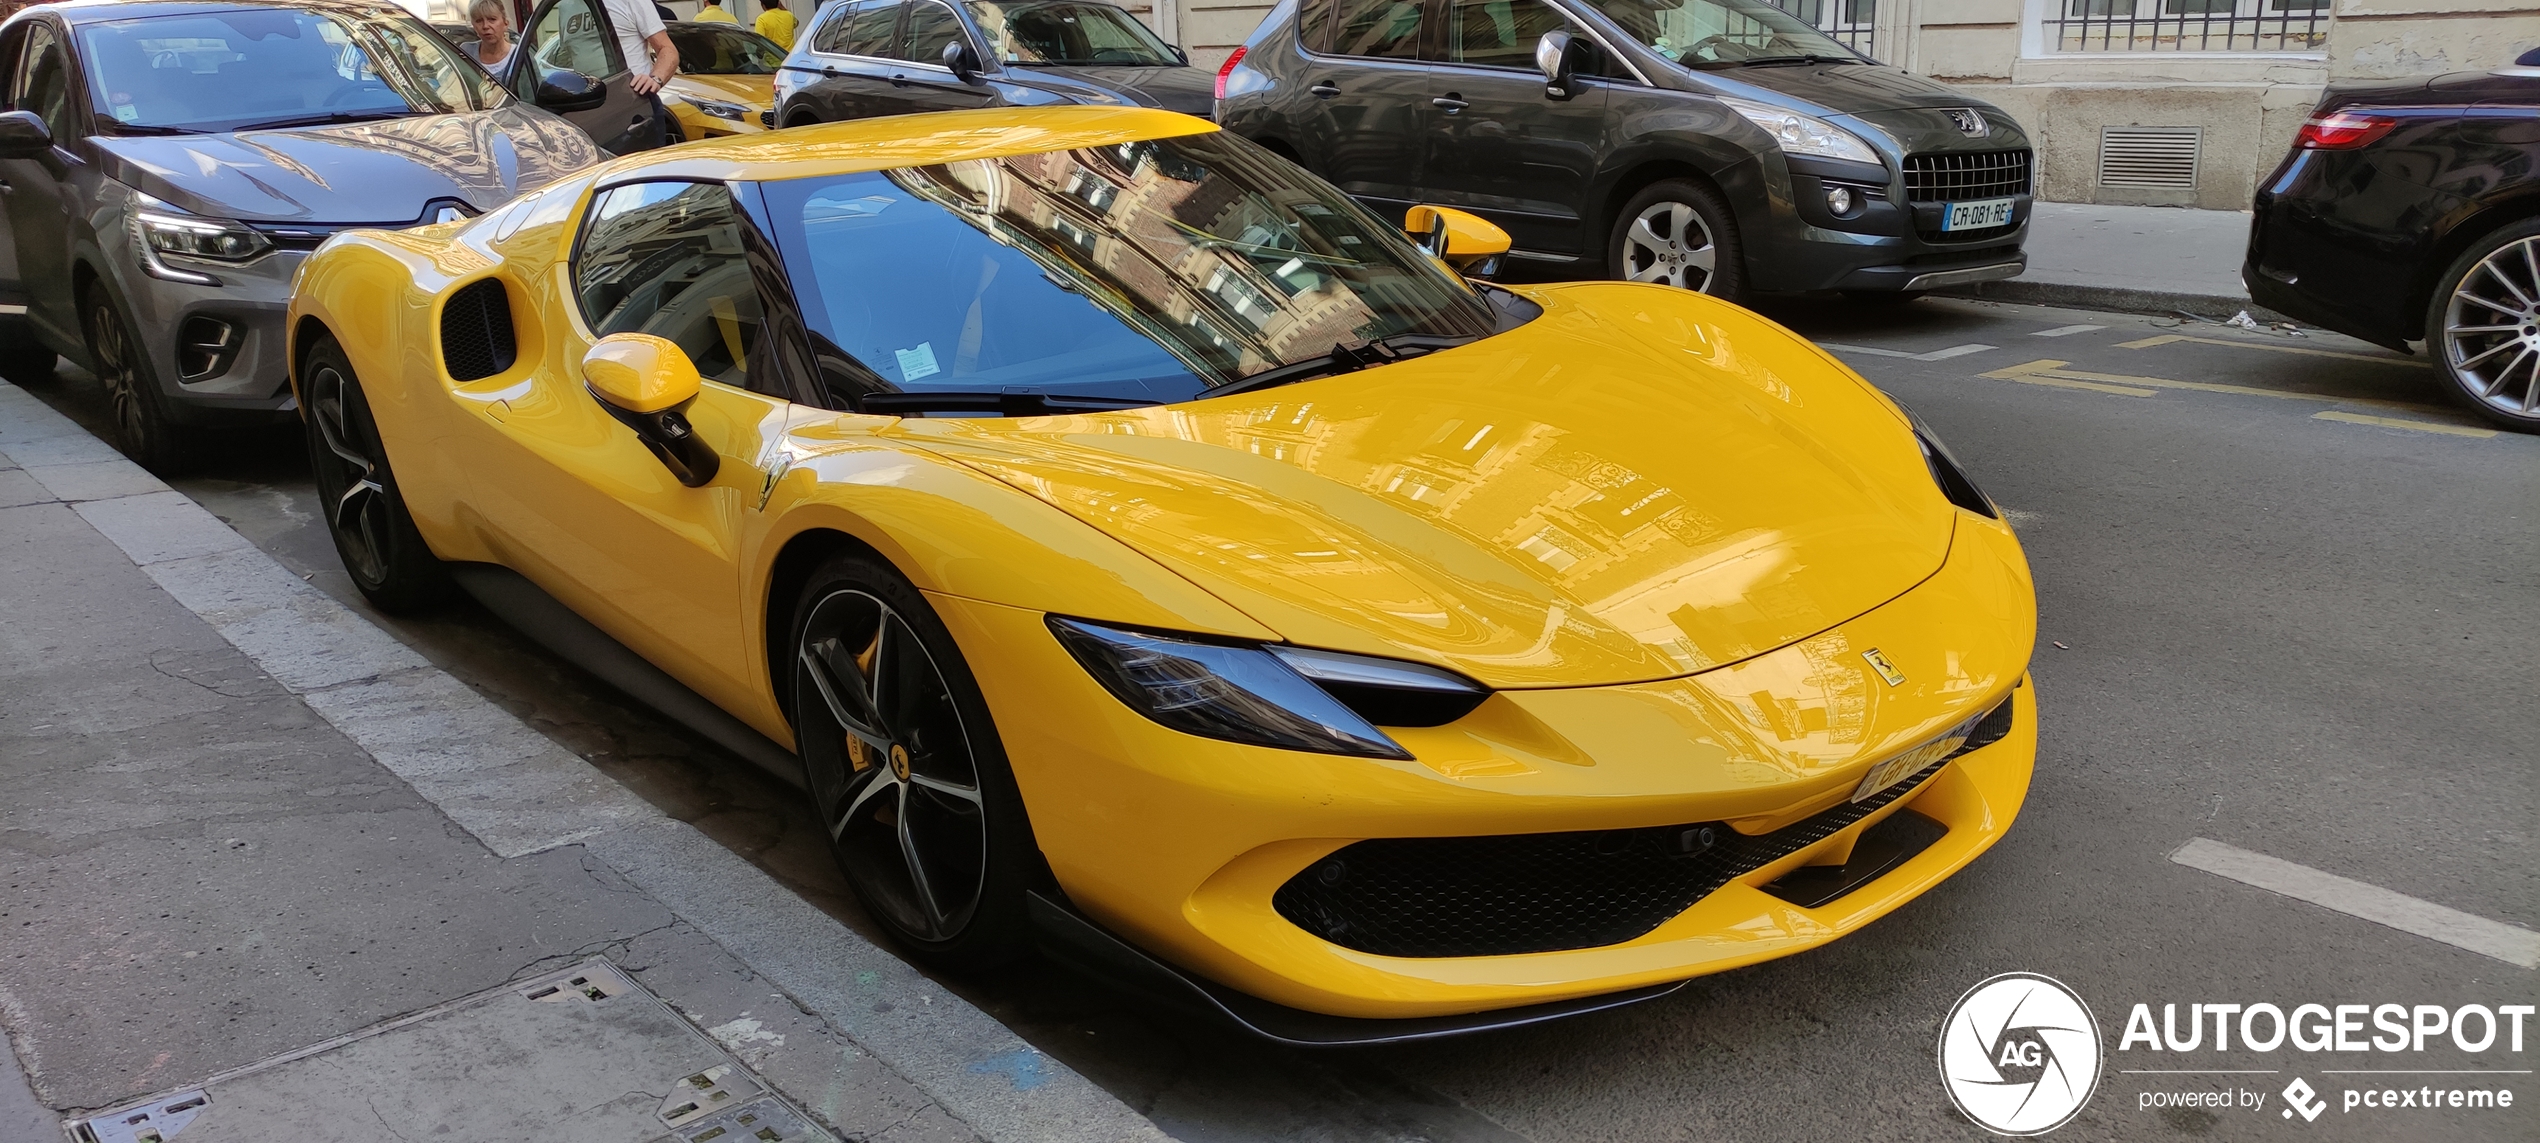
[[708, 49], [1722, 33], [1148, 272], [271, 67], [1068, 32]]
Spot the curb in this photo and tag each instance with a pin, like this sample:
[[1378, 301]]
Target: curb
[[2117, 299], [518, 792]]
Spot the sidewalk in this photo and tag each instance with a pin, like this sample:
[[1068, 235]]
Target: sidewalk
[[258, 850], [2135, 259]]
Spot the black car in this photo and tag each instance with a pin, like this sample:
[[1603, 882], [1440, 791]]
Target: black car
[[1720, 145], [862, 58], [2410, 211]]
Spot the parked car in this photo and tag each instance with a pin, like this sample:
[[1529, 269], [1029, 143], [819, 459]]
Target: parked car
[[1719, 145], [2410, 210], [864, 58], [727, 80], [1143, 544], [168, 165], [577, 38]]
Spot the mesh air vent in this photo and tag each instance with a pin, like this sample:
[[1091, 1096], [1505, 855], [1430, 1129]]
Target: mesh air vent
[[476, 331], [2162, 158]]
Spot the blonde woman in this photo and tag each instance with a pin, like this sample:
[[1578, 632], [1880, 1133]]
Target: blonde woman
[[493, 48]]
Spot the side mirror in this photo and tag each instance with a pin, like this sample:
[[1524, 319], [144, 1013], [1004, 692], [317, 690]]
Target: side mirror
[[1553, 59], [23, 135], [1185, 57], [647, 383], [565, 91], [961, 61], [1467, 242]]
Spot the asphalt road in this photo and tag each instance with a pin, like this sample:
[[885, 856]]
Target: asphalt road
[[2289, 601]]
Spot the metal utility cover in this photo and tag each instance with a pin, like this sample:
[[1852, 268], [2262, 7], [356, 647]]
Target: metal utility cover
[[579, 1056]]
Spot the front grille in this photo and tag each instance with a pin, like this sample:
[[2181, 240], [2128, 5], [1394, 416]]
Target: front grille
[[476, 331], [1544, 892], [1965, 176]]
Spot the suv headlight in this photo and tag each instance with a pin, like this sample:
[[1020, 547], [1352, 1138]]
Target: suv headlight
[[1291, 698], [715, 107], [189, 236], [1800, 134]]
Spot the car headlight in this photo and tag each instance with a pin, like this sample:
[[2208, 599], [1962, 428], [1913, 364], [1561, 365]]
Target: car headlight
[[718, 108], [191, 236], [1947, 472], [1800, 134], [1292, 698]]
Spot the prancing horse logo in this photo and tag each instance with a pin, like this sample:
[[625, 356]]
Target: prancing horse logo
[[1970, 122], [1886, 670]]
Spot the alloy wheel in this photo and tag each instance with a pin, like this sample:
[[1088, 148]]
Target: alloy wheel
[[1668, 244], [108, 343], [892, 766], [349, 481], [2491, 329]]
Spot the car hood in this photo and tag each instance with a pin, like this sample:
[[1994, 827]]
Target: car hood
[[1852, 89], [378, 172], [1639, 484], [757, 92], [1188, 90]]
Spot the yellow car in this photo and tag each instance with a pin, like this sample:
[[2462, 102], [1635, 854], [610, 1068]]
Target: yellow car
[[1141, 545], [727, 80]]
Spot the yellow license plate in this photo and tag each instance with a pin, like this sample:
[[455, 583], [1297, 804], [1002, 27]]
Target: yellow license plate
[[1904, 766]]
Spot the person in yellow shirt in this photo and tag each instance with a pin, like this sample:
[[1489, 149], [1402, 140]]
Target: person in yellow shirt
[[777, 24], [713, 13]]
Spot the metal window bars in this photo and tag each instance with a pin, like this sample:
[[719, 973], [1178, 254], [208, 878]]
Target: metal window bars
[[1852, 23], [2186, 25]]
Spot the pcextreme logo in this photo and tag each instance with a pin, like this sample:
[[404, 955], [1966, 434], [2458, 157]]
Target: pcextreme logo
[[2020, 1054]]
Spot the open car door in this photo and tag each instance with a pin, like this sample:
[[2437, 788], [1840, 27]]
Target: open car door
[[576, 36]]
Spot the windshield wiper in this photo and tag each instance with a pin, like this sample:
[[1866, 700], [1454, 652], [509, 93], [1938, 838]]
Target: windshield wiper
[[1344, 359], [328, 117], [1008, 403], [120, 128], [1773, 61]]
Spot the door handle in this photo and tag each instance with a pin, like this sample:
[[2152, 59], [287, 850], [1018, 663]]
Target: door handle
[[1449, 103], [1324, 90]]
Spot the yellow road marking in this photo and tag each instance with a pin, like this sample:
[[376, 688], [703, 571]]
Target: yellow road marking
[[2396, 423], [2032, 374], [2050, 372], [2168, 338]]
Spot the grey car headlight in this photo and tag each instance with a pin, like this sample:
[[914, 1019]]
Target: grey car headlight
[[1800, 134], [192, 236], [1291, 698]]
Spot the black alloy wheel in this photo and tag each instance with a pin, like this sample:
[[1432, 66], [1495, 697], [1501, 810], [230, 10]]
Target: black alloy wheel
[[1679, 233], [904, 764], [2483, 326], [145, 429], [374, 534]]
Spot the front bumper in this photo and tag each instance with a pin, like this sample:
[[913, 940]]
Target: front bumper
[[251, 302], [1181, 844]]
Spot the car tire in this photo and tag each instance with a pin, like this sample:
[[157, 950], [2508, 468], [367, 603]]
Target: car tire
[[906, 768], [1679, 233], [24, 357], [2486, 311], [147, 428], [365, 510]]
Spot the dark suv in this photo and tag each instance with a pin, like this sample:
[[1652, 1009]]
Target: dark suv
[[1719, 145]]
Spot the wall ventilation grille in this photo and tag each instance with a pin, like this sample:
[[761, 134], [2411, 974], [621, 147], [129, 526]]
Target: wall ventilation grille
[[2155, 157]]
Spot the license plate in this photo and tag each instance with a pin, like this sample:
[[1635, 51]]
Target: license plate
[[1908, 764], [1976, 215]]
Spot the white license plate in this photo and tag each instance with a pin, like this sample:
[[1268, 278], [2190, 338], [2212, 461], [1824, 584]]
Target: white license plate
[[1976, 215]]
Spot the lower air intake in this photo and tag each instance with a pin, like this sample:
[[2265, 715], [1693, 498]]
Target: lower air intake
[[476, 331]]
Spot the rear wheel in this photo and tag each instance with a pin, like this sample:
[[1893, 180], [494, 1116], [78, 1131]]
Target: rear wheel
[[1679, 233], [365, 512], [146, 427], [2483, 326], [904, 762]]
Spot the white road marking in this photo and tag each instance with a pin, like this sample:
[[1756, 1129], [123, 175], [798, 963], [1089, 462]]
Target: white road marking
[[1934, 355], [2065, 330], [2512, 944]]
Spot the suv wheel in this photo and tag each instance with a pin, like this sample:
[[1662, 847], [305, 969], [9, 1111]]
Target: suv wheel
[[2482, 326], [1679, 233], [145, 427]]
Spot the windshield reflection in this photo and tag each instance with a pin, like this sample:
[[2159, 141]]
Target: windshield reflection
[[244, 68]]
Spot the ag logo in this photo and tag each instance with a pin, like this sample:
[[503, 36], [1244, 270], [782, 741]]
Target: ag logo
[[2019, 1054]]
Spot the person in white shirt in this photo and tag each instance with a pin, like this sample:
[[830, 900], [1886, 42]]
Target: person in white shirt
[[650, 56]]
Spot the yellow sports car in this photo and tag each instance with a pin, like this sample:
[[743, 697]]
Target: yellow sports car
[[1145, 550], [726, 83]]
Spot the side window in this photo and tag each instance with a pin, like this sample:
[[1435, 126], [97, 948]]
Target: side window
[[665, 258], [1314, 26], [1386, 29], [573, 35], [43, 84], [1499, 33], [930, 26], [863, 29]]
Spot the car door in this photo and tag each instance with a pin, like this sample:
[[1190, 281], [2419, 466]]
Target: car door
[[578, 503], [1500, 146], [41, 195], [921, 82], [576, 35], [1371, 98], [850, 59]]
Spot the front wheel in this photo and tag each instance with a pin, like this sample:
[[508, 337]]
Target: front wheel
[[905, 765], [146, 429], [365, 512], [2482, 326], [1679, 233]]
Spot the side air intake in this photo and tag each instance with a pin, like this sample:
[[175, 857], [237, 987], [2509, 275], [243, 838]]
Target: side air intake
[[476, 331]]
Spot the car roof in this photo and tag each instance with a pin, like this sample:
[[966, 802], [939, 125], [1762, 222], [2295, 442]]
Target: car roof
[[902, 141], [96, 11]]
